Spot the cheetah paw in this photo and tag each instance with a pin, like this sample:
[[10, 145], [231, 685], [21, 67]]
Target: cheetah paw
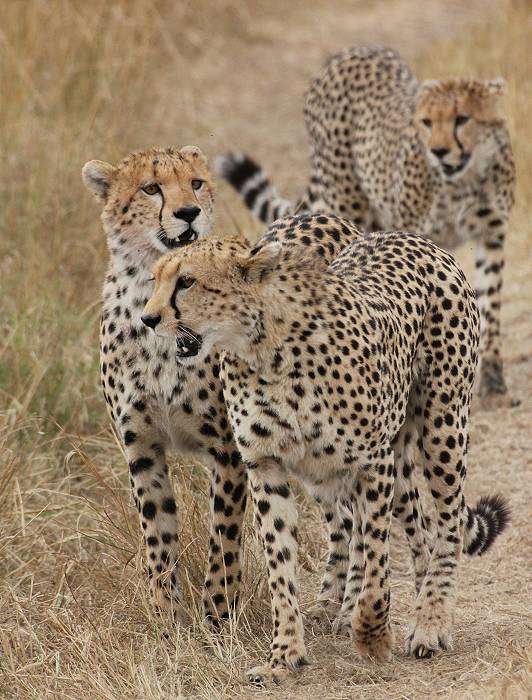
[[341, 626], [278, 669], [374, 648], [426, 642], [323, 613], [266, 676]]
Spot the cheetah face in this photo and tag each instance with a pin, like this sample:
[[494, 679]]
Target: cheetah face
[[154, 200], [455, 122], [203, 296]]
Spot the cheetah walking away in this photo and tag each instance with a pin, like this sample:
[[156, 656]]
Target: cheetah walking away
[[332, 373], [390, 151]]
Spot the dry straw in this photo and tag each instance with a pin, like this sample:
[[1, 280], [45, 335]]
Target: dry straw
[[94, 80]]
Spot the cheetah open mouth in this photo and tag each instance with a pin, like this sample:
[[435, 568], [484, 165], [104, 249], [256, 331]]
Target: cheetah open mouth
[[186, 237], [450, 170], [188, 344]]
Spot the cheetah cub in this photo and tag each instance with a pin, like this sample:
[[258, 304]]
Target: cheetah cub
[[330, 374], [152, 202]]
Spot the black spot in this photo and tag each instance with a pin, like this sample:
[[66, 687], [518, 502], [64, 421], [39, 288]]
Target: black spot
[[169, 505], [149, 510]]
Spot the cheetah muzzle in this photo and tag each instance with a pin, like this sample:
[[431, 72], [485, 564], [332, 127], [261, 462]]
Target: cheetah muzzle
[[188, 343], [184, 238]]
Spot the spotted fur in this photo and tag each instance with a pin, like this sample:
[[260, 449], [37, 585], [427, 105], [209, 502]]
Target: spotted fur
[[154, 403], [332, 374], [388, 151]]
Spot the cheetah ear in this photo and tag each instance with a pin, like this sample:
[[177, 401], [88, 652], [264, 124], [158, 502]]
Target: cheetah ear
[[496, 87], [491, 107], [426, 86], [97, 176], [193, 153], [257, 264]]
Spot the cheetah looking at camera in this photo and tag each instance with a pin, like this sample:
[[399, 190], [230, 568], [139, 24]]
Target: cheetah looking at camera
[[155, 201], [389, 151], [331, 374]]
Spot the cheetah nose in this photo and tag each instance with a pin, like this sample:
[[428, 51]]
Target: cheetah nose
[[150, 320], [188, 214], [440, 152]]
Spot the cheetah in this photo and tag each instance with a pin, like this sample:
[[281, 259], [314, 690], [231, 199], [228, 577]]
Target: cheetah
[[389, 151], [155, 201], [332, 373]]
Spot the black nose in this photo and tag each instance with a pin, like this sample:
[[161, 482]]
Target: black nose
[[150, 320], [440, 152], [188, 214]]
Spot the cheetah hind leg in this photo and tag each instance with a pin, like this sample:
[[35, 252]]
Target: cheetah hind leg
[[407, 507]]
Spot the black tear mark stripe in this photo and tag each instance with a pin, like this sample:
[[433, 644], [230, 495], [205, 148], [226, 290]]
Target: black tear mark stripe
[[173, 302], [455, 134], [162, 206]]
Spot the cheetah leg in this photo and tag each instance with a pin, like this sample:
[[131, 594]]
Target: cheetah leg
[[444, 451], [489, 263], [228, 505], [349, 201], [339, 524], [407, 506], [276, 515], [355, 579], [371, 630], [154, 497]]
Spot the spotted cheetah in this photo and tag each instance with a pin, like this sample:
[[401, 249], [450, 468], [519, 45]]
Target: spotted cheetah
[[389, 151], [152, 202], [155, 201], [331, 374]]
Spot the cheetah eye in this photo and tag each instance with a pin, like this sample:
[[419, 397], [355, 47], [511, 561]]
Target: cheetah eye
[[427, 122], [461, 119], [196, 184], [185, 282], [151, 188]]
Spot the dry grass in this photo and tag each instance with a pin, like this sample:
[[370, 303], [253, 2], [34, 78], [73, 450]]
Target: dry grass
[[82, 80]]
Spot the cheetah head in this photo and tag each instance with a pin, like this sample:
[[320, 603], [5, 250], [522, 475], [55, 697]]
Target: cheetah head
[[154, 200], [455, 120], [206, 295]]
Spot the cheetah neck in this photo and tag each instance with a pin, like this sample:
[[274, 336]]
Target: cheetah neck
[[284, 312]]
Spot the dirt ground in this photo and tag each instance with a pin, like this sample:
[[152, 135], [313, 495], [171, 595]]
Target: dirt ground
[[75, 621]]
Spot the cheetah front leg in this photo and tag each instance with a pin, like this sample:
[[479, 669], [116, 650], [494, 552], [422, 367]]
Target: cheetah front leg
[[342, 625], [339, 522], [489, 264], [154, 497], [276, 515], [228, 505]]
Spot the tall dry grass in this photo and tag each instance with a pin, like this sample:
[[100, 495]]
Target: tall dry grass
[[85, 80]]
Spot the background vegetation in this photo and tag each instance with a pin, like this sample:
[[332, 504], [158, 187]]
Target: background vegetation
[[95, 80]]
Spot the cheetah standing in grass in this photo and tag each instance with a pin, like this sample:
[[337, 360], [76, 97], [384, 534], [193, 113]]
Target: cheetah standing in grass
[[152, 202], [332, 374], [155, 201], [389, 151]]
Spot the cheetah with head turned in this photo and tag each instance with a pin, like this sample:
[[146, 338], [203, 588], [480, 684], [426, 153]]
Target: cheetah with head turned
[[389, 151], [155, 201], [332, 374]]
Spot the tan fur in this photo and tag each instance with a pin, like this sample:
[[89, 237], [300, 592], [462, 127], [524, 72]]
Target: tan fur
[[331, 374], [388, 151], [442, 102], [154, 404]]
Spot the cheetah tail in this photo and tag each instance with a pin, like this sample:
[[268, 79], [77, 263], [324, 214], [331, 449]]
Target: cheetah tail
[[254, 186], [485, 522]]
